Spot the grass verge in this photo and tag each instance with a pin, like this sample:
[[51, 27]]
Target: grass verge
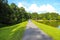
[[51, 31], [14, 32]]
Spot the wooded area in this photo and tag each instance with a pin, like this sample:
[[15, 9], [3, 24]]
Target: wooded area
[[12, 14], [45, 16]]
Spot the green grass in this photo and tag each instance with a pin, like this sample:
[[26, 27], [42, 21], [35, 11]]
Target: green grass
[[51, 31], [14, 32]]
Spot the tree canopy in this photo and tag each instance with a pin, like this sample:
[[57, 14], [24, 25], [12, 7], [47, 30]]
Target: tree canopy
[[12, 14]]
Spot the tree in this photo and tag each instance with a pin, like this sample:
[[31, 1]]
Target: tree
[[59, 17], [49, 16], [35, 16], [19, 14], [4, 13], [24, 14]]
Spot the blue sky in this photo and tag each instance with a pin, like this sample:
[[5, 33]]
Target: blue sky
[[38, 5]]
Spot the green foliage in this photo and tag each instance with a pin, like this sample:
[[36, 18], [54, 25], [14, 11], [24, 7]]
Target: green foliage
[[59, 17], [19, 14], [45, 16], [5, 12], [11, 14], [34, 15], [50, 16]]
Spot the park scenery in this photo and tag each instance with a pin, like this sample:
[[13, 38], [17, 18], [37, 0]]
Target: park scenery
[[29, 19]]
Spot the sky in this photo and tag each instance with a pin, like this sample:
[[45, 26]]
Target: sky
[[38, 5]]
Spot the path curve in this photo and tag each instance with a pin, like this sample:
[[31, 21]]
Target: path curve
[[34, 33]]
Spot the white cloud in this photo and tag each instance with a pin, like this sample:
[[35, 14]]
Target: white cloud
[[20, 5], [33, 8], [42, 8], [36, 8], [50, 8], [47, 8]]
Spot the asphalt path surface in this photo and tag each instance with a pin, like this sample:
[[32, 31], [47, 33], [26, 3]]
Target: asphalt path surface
[[32, 32]]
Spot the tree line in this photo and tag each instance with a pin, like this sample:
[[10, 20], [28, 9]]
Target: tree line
[[45, 16], [12, 14]]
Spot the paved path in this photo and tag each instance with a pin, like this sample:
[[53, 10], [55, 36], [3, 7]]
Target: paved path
[[34, 33]]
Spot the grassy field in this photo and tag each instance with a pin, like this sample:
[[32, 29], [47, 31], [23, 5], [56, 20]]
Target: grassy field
[[14, 32], [51, 31]]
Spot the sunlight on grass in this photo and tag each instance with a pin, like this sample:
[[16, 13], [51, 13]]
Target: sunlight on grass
[[51, 31], [14, 32]]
